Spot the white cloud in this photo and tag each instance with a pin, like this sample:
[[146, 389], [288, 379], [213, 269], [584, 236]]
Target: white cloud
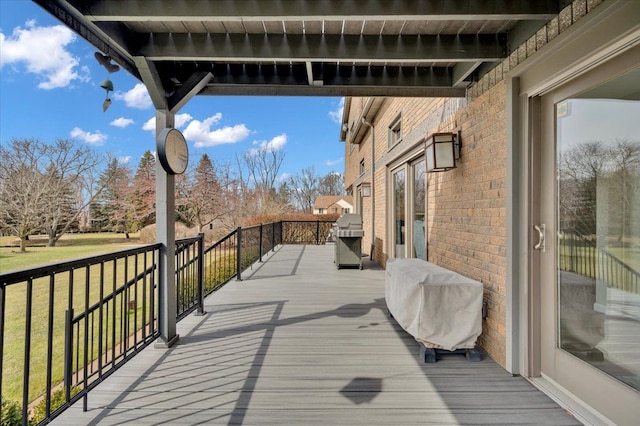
[[96, 138], [330, 163], [122, 122], [200, 132], [150, 125], [138, 97], [284, 177], [275, 144], [180, 119], [336, 115], [43, 50], [124, 160]]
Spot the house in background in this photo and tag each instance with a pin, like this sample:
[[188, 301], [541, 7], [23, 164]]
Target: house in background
[[332, 204], [535, 200]]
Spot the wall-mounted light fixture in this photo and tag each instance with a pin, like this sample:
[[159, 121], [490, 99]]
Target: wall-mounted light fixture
[[365, 189], [442, 151]]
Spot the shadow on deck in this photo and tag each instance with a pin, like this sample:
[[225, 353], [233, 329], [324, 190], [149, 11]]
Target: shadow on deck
[[300, 342]]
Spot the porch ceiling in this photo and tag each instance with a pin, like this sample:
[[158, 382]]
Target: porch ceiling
[[181, 48]]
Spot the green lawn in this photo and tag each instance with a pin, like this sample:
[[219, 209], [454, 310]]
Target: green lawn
[[70, 246]]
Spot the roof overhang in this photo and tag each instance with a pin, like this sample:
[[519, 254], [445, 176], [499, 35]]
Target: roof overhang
[[303, 48]]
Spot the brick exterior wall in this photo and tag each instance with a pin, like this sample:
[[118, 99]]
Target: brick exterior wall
[[466, 210], [466, 206]]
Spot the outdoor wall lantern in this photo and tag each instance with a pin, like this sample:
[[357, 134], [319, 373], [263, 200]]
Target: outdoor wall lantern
[[442, 150], [365, 188]]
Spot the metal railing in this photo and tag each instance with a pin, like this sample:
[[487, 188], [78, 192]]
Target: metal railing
[[581, 255], [67, 326], [64, 327]]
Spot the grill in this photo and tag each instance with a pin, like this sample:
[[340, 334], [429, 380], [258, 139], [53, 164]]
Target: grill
[[347, 233]]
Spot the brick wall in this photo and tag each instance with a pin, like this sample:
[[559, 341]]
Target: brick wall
[[466, 207], [466, 211]]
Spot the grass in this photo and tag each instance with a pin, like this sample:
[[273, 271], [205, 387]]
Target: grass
[[70, 246], [57, 294]]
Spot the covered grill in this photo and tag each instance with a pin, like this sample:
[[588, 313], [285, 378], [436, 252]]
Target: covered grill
[[347, 233]]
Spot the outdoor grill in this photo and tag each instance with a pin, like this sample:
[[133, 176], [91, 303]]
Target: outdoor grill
[[347, 233]]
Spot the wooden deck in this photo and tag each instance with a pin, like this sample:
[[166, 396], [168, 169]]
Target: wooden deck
[[300, 342]]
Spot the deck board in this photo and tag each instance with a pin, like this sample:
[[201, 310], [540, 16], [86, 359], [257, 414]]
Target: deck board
[[300, 342]]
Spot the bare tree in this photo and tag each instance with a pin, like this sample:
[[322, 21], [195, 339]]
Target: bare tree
[[625, 159], [46, 187], [304, 187], [331, 184], [263, 166], [72, 180], [22, 189], [579, 169]]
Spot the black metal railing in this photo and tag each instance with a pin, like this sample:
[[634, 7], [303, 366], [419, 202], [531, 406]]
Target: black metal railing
[[306, 231], [65, 327], [581, 255]]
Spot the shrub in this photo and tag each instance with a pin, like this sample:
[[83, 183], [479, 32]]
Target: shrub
[[10, 413], [148, 233], [58, 399]]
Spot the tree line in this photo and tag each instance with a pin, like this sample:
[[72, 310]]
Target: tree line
[[598, 188], [68, 187]]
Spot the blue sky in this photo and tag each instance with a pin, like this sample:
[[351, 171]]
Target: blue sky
[[50, 89]]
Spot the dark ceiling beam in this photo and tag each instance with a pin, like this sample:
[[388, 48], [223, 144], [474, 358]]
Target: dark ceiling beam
[[265, 10], [90, 32], [461, 71], [309, 47], [323, 75], [307, 90], [151, 79], [192, 87]]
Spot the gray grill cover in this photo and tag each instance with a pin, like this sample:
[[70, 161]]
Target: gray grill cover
[[438, 307]]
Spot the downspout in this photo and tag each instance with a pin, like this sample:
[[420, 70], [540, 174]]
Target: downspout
[[373, 192]]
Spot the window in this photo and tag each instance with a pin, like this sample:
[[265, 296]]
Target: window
[[320, 211], [334, 210], [395, 131], [361, 167], [346, 210]]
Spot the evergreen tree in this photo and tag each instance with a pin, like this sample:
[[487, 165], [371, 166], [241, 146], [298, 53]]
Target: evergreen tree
[[142, 194]]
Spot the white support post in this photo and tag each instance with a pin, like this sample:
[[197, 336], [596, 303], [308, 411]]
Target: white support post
[[165, 234]]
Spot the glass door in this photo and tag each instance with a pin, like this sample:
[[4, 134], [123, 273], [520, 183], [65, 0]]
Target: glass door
[[399, 212], [590, 268], [418, 210]]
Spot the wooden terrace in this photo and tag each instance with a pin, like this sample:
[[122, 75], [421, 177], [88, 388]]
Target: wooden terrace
[[300, 342]]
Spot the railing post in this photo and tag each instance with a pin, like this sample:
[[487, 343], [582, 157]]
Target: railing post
[[239, 254], [68, 352], [200, 311], [273, 236], [317, 232], [260, 246]]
